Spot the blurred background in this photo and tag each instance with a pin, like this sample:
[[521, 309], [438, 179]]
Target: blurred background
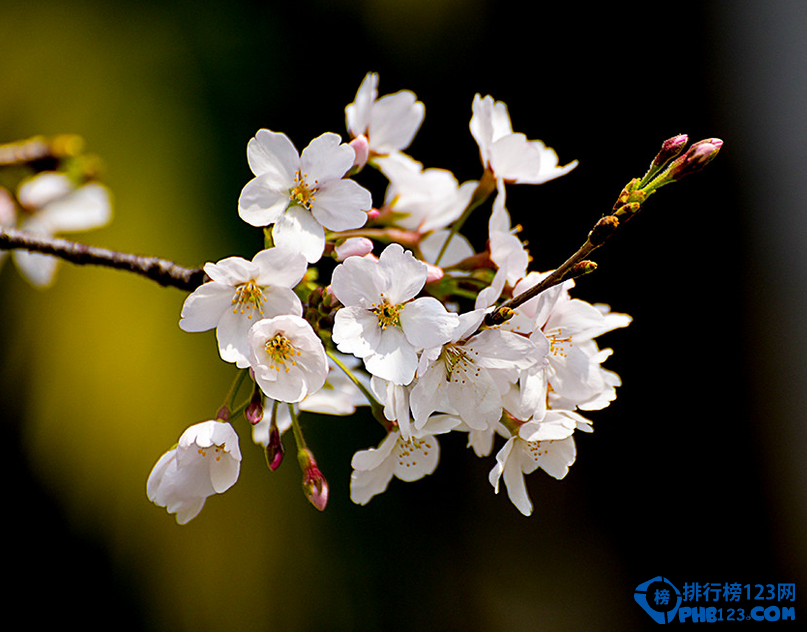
[[695, 471]]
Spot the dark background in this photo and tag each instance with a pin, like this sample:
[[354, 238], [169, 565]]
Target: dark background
[[693, 473]]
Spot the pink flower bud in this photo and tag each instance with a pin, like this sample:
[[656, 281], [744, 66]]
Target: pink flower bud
[[315, 487], [433, 273], [696, 158], [354, 247], [670, 148], [274, 449], [254, 410], [361, 147]]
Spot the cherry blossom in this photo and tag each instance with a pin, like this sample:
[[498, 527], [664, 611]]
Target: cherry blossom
[[508, 155], [469, 374], [389, 123], [52, 204], [239, 294], [301, 194], [407, 459], [382, 322], [287, 358], [206, 461]]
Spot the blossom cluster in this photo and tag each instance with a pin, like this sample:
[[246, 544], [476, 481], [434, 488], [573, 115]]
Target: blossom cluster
[[400, 323], [63, 196]]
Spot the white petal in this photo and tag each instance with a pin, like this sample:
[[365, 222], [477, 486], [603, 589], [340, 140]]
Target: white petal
[[298, 230], [342, 205], [279, 267], [459, 248], [273, 153], [38, 269], [87, 207], [395, 119], [358, 281], [263, 200], [357, 114], [516, 485], [326, 158], [416, 458], [427, 323], [204, 308], [404, 275], [393, 358]]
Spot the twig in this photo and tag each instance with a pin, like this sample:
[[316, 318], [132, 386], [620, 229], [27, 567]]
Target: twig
[[166, 273]]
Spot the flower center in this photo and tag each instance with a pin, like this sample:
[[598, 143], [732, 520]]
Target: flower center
[[459, 368], [387, 314], [408, 451], [217, 451], [281, 351], [249, 296], [557, 344], [303, 193]]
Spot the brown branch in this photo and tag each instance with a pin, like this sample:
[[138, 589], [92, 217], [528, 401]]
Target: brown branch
[[166, 273]]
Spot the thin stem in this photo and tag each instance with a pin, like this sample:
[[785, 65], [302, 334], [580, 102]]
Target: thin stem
[[375, 405], [482, 192], [234, 387], [164, 272], [298, 432]]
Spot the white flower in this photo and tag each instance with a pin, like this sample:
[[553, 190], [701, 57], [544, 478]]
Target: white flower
[[510, 156], [338, 396], [506, 250], [206, 461], [287, 358], [241, 293], [395, 399], [469, 374], [389, 123], [301, 194], [380, 322], [550, 447], [570, 325], [52, 204], [422, 199], [406, 459]]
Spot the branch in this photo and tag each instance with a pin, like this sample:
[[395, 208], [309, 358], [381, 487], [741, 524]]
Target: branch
[[166, 273]]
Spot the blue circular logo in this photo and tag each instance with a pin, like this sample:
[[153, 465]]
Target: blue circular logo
[[658, 598]]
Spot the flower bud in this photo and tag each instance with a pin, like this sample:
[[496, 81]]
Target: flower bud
[[696, 158], [254, 410], [274, 448], [670, 148], [361, 147], [315, 487], [603, 229], [581, 268], [433, 273], [354, 247]]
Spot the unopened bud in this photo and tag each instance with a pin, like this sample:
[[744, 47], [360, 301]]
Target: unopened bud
[[695, 158], [254, 410], [353, 247], [670, 148], [581, 268], [274, 448], [603, 229], [433, 273], [361, 147], [315, 487]]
